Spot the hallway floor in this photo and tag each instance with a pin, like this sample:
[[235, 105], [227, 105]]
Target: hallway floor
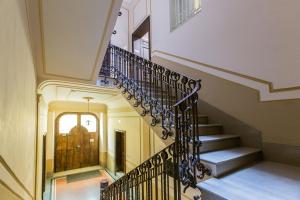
[[85, 186]]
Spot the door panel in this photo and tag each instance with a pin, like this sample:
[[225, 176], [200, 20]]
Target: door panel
[[79, 148], [120, 152]]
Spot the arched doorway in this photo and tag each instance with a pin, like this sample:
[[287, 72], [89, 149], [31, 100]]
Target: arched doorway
[[76, 141]]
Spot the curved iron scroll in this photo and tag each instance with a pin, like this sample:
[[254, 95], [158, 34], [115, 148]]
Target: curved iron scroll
[[171, 100]]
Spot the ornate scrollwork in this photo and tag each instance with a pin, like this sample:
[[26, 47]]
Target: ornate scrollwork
[[171, 100], [175, 76], [202, 170], [186, 176]]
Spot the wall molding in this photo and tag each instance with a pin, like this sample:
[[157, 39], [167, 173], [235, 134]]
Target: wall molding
[[266, 89], [14, 176], [8, 188], [126, 109], [77, 86], [42, 43]]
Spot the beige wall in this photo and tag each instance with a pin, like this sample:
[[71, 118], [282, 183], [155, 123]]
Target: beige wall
[[137, 134], [7, 193], [121, 39], [278, 121], [58, 107], [258, 39], [17, 101]]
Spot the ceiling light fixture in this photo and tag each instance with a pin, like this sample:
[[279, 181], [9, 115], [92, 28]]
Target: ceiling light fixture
[[88, 122]]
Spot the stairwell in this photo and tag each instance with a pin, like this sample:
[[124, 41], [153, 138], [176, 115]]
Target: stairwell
[[222, 154]]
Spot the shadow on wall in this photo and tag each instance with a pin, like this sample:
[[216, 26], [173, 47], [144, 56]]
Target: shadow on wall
[[276, 122], [250, 136]]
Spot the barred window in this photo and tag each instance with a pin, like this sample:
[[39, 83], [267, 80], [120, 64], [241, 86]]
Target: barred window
[[182, 10]]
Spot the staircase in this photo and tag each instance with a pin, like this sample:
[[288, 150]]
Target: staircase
[[198, 148]]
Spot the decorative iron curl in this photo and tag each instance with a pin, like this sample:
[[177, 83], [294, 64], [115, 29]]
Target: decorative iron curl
[[202, 170], [175, 76]]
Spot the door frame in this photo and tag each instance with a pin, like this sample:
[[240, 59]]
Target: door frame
[[123, 132], [78, 120], [141, 30]]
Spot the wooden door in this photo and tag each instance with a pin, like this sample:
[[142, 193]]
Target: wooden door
[[120, 152], [78, 148]]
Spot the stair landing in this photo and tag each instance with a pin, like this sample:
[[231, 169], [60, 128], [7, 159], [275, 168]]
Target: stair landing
[[265, 180]]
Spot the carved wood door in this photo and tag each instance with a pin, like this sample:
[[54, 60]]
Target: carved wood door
[[79, 147]]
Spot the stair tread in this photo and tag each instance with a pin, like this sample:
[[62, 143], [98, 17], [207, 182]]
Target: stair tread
[[208, 125], [276, 182], [227, 154], [211, 138], [217, 187]]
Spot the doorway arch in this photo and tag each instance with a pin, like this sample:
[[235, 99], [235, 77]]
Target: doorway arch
[[76, 141]]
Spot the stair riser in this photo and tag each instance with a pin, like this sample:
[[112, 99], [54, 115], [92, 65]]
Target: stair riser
[[206, 195], [219, 145], [230, 165], [210, 130], [202, 119]]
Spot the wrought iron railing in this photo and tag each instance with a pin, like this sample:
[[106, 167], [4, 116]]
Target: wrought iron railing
[[171, 100]]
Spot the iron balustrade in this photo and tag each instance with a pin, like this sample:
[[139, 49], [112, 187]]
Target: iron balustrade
[[171, 100]]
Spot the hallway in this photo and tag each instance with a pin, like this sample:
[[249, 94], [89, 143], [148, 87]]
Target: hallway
[[80, 186]]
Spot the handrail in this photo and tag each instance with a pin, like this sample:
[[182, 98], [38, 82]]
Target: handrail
[[171, 99], [195, 90], [147, 165]]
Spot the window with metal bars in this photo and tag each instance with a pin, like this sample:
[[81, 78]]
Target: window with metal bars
[[182, 10]]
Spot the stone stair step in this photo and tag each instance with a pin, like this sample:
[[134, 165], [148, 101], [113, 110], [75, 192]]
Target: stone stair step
[[202, 119], [215, 189], [264, 180], [218, 142], [224, 161], [209, 129]]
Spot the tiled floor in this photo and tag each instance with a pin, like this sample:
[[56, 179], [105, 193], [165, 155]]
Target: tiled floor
[[87, 189]]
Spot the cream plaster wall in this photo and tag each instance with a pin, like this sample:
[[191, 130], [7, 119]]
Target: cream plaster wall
[[18, 110], [121, 38], [7, 194], [256, 38], [278, 121], [139, 12], [137, 134]]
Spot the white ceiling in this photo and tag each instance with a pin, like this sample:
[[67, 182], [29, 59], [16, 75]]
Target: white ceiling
[[53, 91], [67, 91], [74, 34], [68, 94]]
